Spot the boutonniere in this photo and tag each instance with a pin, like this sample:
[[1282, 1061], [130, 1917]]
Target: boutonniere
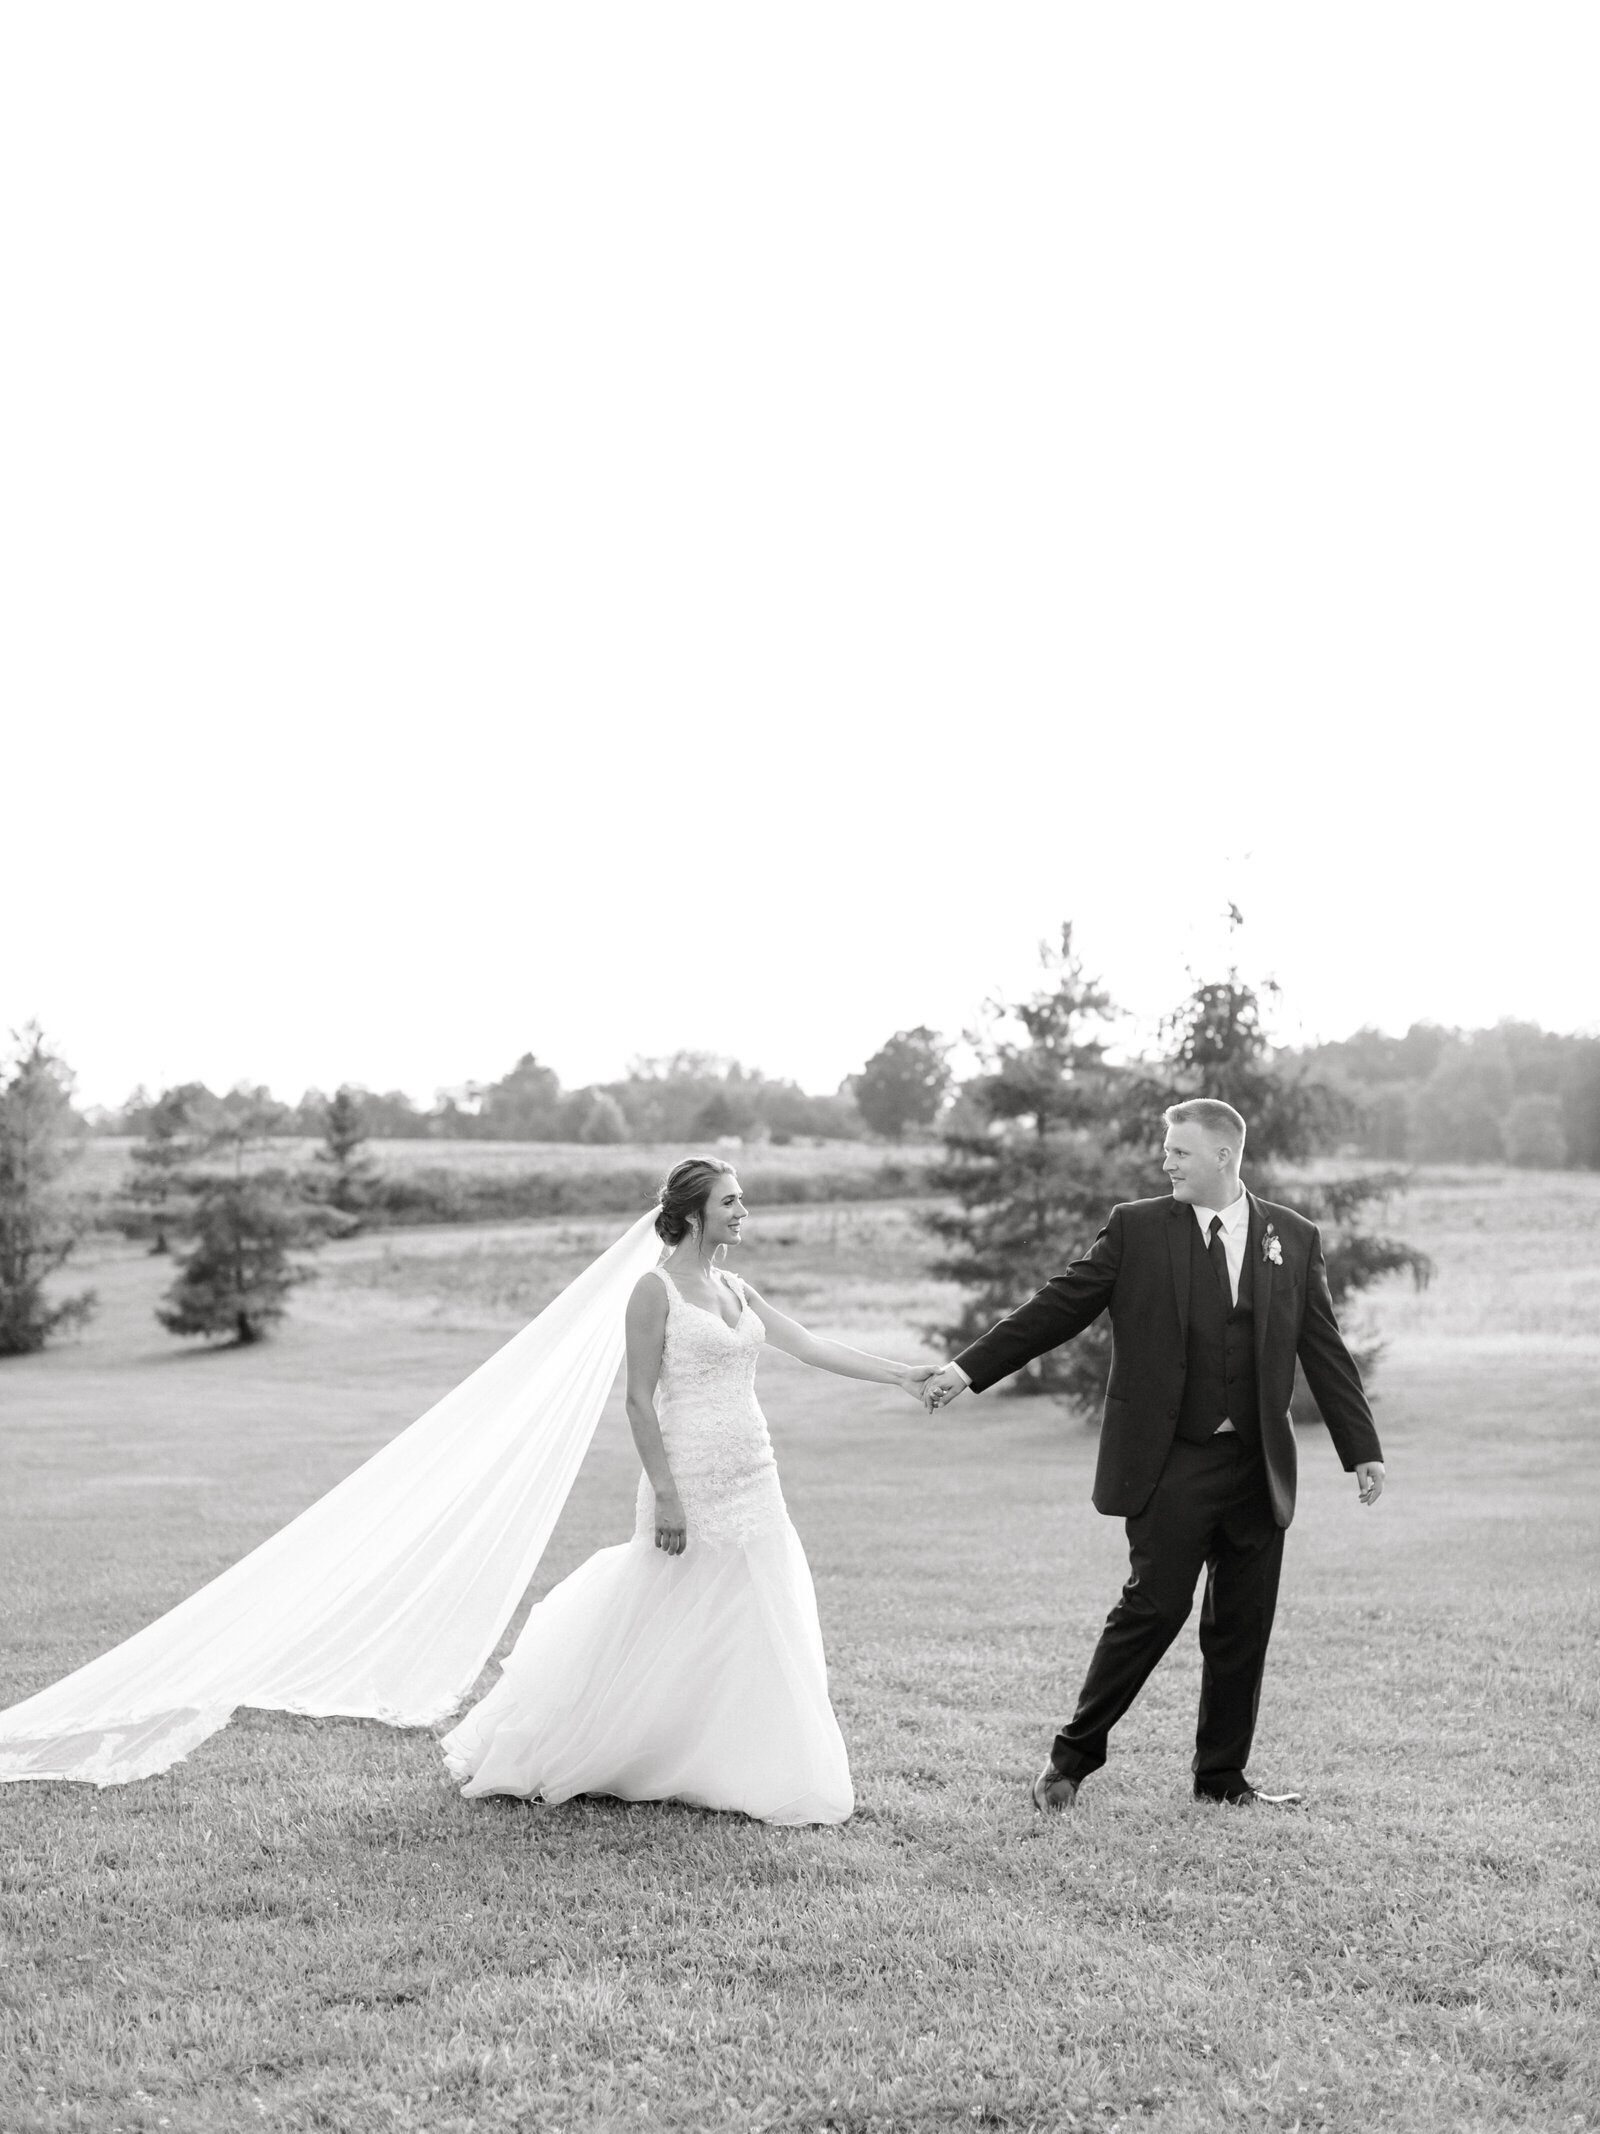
[[1270, 1247]]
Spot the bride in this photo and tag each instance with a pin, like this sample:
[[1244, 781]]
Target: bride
[[686, 1664]]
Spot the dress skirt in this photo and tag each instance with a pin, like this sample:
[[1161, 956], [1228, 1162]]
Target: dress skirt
[[697, 1678]]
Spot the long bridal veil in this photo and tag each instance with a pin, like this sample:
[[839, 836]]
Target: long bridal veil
[[387, 1596]]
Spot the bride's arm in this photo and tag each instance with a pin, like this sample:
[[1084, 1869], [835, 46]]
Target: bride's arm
[[836, 1356], [647, 1332]]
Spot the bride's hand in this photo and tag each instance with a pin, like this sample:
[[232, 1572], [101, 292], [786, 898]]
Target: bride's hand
[[672, 1531], [914, 1376]]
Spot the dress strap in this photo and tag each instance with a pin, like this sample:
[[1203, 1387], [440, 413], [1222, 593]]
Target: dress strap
[[670, 1285]]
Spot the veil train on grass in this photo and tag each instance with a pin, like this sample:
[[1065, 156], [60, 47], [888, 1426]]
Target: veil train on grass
[[385, 1598]]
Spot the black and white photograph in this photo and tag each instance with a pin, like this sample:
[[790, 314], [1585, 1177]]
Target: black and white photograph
[[799, 1069]]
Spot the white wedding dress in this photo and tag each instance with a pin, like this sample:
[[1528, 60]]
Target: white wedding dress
[[697, 1678]]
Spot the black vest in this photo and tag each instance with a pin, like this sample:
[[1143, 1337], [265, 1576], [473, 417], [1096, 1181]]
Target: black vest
[[1220, 1381]]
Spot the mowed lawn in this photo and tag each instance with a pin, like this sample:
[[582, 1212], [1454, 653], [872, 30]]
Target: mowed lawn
[[305, 1927]]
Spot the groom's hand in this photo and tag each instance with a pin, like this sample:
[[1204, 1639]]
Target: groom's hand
[[943, 1387], [1369, 1479]]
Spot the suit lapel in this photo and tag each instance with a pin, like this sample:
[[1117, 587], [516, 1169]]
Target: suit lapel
[[1178, 1241], [1261, 1271]]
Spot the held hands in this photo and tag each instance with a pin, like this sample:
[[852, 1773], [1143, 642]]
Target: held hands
[[930, 1384], [1369, 1477], [942, 1388], [913, 1378]]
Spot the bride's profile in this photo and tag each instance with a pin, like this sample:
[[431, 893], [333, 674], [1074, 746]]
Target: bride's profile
[[686, 1664]]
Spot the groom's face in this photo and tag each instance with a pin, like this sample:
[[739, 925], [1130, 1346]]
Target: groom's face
[[1198, 1164]]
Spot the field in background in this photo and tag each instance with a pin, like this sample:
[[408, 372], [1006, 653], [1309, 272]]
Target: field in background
[[305, 1928], [105, 1157], [1517, 1254], [1518, 1259], [855, 1270], [422, 1182]]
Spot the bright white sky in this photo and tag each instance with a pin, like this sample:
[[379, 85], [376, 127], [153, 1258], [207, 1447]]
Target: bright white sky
[[601, 528]]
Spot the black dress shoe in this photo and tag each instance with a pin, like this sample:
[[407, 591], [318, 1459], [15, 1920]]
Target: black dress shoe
[[1052, 1793], [1245, 1796]]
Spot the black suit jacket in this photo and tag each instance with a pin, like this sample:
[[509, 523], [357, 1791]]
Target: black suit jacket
[[1138, 1270]]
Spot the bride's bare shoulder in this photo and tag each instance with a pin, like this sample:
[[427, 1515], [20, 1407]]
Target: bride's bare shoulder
[[649, 1296]]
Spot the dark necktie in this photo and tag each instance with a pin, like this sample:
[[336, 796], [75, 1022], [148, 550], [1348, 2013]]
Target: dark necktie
[[1217, 1253]]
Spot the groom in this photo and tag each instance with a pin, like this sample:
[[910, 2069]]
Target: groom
[[1212, 1295]]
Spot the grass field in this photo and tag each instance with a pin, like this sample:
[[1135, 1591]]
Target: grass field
[[304, 1927]]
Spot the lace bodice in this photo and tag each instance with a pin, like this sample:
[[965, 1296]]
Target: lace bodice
[[712, 1427]]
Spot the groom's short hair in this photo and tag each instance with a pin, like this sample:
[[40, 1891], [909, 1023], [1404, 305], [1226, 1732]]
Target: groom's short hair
[[1211, 1113]]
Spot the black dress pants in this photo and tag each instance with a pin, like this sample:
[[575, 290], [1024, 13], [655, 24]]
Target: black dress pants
[[1209, 1510]]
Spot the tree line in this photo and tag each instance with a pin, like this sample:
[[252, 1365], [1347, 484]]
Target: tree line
[[684, 1097], [1512, 1094]]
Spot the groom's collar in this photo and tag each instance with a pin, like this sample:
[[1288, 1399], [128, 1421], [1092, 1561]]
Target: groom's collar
[[1234, 1216]]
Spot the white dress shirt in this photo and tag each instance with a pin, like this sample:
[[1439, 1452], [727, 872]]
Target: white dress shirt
[[1235, 1236]]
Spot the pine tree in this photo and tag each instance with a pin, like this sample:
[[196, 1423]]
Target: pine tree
[[1034, 1161], [235, 1280], [352, 1175], [38, 1231], [1217, 1047]]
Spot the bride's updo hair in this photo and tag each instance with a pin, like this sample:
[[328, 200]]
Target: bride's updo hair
[[684, 1195]]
